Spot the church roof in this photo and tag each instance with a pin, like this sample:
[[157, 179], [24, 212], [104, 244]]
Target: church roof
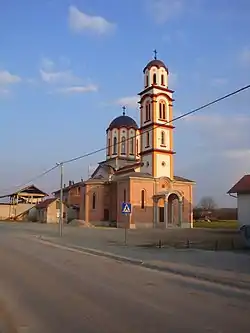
[[157, 63], [123, 121]]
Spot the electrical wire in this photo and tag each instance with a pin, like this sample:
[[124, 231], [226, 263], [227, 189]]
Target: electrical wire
[[139, 134], [159, 125], [30, 181]]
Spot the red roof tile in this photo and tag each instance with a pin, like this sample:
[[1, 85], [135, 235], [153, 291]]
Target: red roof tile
[[243, 185], [45, 203]]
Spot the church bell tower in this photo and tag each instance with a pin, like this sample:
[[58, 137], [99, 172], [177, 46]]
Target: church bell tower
[[156, 115]]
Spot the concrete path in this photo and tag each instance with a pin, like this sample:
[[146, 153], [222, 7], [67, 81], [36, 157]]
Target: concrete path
[[52, 289]]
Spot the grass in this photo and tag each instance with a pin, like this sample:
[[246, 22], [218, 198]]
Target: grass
[[217, 224]]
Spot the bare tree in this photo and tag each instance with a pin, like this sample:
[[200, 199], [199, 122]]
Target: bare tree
[[207, 204]]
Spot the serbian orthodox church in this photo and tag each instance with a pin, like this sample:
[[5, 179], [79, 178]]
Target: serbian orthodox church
[[139, 165]]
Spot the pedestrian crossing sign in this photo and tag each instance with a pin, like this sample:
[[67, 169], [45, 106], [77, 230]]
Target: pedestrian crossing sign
[[126, 208]]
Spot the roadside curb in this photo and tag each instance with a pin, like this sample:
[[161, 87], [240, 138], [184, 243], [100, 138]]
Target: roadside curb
[[205, 277]]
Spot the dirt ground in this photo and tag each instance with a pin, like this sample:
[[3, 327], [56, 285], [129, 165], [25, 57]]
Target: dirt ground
[[209, 239]]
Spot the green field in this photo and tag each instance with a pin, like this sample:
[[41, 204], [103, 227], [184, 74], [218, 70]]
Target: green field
[[217, 224]]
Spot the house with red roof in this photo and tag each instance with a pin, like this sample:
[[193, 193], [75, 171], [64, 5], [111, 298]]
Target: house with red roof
[[48, 211], [242, 191]]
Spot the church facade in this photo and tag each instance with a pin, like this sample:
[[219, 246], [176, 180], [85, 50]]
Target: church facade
[[139, 166]]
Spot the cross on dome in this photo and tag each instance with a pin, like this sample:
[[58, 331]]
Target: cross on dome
[[155, 54]]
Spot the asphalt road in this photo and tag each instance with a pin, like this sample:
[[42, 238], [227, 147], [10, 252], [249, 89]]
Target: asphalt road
[[49, 289]]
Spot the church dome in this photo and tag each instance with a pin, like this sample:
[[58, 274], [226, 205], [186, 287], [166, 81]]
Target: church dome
[[157, 63], [123, 121]]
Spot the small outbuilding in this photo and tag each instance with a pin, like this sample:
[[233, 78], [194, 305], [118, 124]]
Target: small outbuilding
[[242, 191], [48, 211]]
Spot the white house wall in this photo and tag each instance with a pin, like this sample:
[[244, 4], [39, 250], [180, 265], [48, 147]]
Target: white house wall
[[243, 209]]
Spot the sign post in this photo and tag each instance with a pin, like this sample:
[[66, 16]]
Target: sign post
[[126, 210]]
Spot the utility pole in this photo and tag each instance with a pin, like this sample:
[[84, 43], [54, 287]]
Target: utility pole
[[61, 200]]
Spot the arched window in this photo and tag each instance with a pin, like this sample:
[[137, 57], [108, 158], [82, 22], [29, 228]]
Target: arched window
[[148, 111], [146, 84], [162, 80], [109, 144], [147, 139], [131, 146], [142, 199], [163, 140], [94, 201], [124, 195], [115, 146], [123, 148], [162, 110], [154, 78]]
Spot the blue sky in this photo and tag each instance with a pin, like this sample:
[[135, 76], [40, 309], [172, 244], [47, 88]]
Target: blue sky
[[67, 67]]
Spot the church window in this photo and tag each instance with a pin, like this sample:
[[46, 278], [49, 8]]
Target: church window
[[146, 81], [147, 139], [131, 146], [137, 147], [162, 110], [123, 150], [154, 78], [142, 199], [115, 146], [163, 139], [124, 195], [94, 201], [162, 80], [148, 111], [109, 144]]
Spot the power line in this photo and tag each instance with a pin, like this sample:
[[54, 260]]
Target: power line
[[158, 125], [155, 126], [31, 180]]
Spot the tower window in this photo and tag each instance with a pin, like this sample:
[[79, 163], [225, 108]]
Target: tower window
[[109, 144], [162, 110], [137, 147], [146, 84], [162, 80], [123, 148], [115, 146], [124, 195], [154, 78], [148, 111], [131, 146], [142, 199], [147, 139], [163, 138], [94, 201]]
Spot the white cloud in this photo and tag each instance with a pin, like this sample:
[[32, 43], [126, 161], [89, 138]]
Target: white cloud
[[130, 101], [59, 77], [64, 81], [4, 92], [245, 56], [8, 78], [163, 10], [219, 81], [79, 22], [172, 78], [50, 74], [238, 154], [78, 89]]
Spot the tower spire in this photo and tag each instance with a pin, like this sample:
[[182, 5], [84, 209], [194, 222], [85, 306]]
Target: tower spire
[[155, 54]]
